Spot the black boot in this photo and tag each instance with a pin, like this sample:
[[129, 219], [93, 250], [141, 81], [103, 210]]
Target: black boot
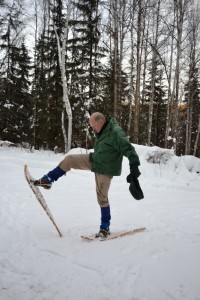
[[103, 233]]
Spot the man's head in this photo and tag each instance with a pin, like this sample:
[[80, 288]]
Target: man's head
[[97, 120]]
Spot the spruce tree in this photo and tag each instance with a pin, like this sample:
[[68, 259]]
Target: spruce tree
[[108, 94], [47, 89], [15, 100], [16, 97], [84, 65]]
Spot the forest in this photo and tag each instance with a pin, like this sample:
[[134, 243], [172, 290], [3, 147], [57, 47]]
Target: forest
[[135, 60]]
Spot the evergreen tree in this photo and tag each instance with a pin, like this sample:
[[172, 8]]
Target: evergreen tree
[[15, 100], [47, 89], [108, 94], [84, 65], [40, 95], [16, 114]]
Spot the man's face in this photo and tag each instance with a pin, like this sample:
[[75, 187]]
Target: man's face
[[96, 126]]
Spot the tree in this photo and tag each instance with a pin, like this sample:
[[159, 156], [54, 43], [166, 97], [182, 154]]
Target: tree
[[48, 95], [154, 46], [192, 87], [180, 9], [61, 43], [15, 105], [84, 69], [139, 42]]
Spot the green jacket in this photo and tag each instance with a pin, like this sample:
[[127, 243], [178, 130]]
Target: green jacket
[[111, 145]]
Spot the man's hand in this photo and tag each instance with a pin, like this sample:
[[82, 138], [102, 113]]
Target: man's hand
[[134, 174]]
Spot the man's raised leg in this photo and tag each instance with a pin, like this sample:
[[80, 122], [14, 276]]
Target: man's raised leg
[[72, 161]]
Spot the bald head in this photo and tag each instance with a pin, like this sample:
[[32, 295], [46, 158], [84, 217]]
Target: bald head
[[97, 120]]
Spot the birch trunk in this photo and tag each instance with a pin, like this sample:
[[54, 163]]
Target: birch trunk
[[180, 9], [189, 111], [115, 13], [67, 106], [131, 93], [154, 58], [144, 66], [169, 93], [192, 117], [138, 73]]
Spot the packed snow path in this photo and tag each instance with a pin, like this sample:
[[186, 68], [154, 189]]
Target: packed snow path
[[160, 264]]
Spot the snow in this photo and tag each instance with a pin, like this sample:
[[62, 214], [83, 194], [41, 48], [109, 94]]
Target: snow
[[159, 264]]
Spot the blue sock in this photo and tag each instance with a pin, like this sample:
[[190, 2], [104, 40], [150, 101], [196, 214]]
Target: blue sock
[[55, 174], [105, 217]]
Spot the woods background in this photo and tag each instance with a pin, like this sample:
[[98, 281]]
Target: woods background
[[137, 60]]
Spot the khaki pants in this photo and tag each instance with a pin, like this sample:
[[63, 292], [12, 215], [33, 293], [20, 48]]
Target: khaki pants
[[81, 162]]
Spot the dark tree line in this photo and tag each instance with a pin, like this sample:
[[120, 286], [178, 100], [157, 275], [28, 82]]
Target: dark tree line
[[135, 60]]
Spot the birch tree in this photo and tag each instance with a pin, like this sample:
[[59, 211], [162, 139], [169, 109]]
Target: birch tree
[[139, 30], [61, 43], [180, 8], [116, 54], [170, 95], [154, 67], [138, 55], [192, 87]]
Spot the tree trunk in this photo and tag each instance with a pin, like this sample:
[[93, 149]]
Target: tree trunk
[[138, 73], [169, 93], [35, 63], [180, 9], [115, 12], [197, 139], [62, 53], [131, 93], [154, 62]]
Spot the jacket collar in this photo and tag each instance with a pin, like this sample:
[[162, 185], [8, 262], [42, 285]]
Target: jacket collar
[[102, 129]]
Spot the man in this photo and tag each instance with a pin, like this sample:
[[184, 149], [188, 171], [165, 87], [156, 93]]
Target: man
[[106, 162]]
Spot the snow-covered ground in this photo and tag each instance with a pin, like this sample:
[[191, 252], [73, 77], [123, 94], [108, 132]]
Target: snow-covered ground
[[159, 264]]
